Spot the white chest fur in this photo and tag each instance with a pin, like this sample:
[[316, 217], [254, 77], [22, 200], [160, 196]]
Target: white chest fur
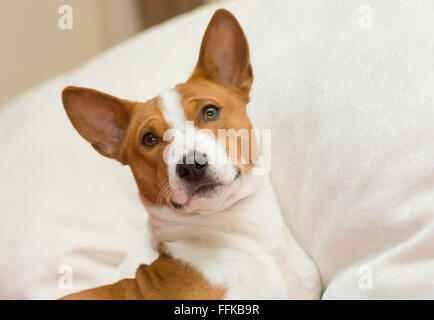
[[247, 248]]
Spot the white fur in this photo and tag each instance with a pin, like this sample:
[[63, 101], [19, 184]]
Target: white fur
[[172, 110], [219, 167], [247, 247], [185, 139]]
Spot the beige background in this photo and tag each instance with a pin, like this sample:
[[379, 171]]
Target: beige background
[[33, 47]]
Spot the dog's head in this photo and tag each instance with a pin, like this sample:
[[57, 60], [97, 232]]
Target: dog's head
[[190, 148]]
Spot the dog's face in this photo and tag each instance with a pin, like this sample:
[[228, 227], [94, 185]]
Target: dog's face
[[191, 147]]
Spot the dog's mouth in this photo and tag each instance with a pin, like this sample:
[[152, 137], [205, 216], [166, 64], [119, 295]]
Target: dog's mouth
[[202, 190], [176, 205]]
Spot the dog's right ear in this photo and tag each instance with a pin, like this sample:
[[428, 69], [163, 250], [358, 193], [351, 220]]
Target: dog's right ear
[[98, 117], [224, 53]]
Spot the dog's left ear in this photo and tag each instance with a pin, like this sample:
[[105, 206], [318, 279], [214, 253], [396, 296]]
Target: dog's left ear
[[99, 118], [224, 53]]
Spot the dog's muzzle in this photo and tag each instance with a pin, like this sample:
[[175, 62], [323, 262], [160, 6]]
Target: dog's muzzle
[[193, 171]]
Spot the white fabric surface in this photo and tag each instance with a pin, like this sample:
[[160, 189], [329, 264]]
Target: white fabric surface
[[351, 112], [352, 118]]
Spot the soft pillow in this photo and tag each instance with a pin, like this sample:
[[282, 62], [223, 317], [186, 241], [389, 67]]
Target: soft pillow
[[352, 115]]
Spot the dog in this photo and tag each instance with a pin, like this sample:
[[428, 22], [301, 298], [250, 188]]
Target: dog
[[214, 219]]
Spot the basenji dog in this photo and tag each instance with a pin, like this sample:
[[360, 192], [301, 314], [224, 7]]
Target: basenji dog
[[213, 215]]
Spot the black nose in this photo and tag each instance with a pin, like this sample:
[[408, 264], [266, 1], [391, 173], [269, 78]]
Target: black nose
[[192, 168]]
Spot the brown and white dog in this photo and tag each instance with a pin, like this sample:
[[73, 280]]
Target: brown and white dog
[[216, 223]]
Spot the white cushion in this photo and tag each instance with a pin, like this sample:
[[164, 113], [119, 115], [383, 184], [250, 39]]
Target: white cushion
[[352, 117]]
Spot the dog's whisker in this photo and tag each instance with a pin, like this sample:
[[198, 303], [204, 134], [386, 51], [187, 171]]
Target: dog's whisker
[[168, 196], [167, 190], [163, 194], [163, 190], [159, 200]]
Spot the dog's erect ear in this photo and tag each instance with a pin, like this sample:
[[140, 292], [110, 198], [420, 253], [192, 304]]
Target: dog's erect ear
[[99, 118], [224, 53]]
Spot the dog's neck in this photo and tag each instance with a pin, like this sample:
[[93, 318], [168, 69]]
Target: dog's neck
[[253, 213], [226, 245]]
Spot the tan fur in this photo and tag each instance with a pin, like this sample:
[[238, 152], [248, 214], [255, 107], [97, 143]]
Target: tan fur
[[164, 279], [199, 91]]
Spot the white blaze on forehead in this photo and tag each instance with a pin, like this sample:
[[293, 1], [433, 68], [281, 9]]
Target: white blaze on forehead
[[171, 108]]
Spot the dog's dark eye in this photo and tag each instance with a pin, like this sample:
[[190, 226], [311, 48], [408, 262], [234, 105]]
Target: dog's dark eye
[[210, 112], [149, 140]]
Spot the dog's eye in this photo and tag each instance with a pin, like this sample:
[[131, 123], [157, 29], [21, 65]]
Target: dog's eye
[[210, 112], [149, 140]]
